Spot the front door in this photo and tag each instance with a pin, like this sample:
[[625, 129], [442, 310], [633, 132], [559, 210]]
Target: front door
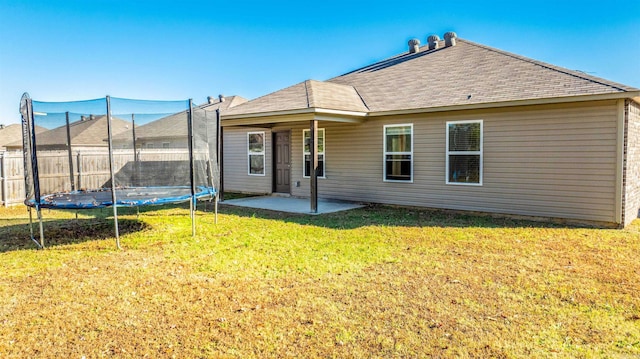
[[282, 162]]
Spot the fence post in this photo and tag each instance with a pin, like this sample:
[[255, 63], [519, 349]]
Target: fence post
[[79, 167], [3, 177]]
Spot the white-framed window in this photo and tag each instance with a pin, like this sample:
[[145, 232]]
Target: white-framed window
[[306, 142], [166, 144], [255, 153], [398, 153], [464, 152]]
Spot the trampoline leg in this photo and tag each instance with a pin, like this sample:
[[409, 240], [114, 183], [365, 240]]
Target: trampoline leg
[[193, 216], [39, 213], [215, 208], [33, 238], [115, 226]]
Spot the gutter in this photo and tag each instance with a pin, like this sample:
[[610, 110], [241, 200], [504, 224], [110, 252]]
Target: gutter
[[488, 105]]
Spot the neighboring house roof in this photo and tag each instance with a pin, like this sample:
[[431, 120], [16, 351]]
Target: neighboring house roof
[[463, 74], [88, 132], [175, 125], [11, 133]]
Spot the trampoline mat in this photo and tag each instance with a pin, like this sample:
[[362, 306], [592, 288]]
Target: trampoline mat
[[130, 197]]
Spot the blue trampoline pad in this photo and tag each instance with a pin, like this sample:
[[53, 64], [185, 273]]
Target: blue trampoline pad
[[126, 197]]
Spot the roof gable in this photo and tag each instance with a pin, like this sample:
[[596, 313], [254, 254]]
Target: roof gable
[[310, 94]]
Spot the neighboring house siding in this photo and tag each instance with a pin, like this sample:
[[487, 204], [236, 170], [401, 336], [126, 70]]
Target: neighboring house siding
[[236, 177], [549, 161], [632, 170]]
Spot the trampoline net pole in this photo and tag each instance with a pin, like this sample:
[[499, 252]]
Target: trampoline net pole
[[191, 169], [73, 185], [112, 174]]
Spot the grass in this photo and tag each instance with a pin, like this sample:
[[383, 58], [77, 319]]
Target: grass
[[375, 282]]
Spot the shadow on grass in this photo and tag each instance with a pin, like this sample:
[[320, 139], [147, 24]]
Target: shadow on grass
[[391, 216], [58, 232]]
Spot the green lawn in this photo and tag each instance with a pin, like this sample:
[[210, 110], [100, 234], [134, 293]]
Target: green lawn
[[375, 282]]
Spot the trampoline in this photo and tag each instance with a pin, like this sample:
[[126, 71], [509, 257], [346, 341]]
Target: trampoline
[[115, 152], [125, 197]]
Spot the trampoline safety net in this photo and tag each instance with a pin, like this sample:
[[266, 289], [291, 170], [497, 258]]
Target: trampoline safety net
[[148, 152]]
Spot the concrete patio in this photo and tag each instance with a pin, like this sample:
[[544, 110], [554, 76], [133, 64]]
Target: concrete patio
[[292, 204]]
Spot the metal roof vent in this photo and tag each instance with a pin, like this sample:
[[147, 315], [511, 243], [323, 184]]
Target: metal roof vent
[[414, 46], [221, 97], [210, 100], [433, 41], [450, 39]]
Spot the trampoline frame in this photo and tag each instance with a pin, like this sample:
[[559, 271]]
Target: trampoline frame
[[39, 201]]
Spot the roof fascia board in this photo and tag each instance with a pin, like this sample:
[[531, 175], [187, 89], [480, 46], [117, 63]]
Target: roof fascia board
[[487, 105], [259, 120], [306, 114]]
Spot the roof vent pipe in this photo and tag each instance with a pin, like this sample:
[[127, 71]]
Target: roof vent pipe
[[450, 39], [221, 97], [210, 100], [414, 46], [433, 41]]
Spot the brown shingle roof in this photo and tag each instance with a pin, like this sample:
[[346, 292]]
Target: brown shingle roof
[[304, 95], [464, 74], [467, 73]]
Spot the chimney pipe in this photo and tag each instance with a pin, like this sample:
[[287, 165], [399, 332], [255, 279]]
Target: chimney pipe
[[433, 41], [414, 46], [221, 97], [450, 39]]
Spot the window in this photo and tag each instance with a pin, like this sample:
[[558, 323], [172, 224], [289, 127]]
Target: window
[[166, 144], [255, 144], [464, 152], [398, 153], [306, 142]]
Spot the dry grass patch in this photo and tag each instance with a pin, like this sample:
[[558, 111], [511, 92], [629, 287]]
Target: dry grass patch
[[373, 282]]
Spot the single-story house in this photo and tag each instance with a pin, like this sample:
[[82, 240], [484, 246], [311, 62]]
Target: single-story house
[[451, 125]]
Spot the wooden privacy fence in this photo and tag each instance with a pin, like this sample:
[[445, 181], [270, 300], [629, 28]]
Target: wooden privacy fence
[[90, 169], [11, 177]]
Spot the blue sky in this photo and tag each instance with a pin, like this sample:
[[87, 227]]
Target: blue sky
[[169, 50]]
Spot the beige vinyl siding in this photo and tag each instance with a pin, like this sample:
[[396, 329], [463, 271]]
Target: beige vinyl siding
[[553, 161], [632, 170], [549, 161], [236, 171]]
